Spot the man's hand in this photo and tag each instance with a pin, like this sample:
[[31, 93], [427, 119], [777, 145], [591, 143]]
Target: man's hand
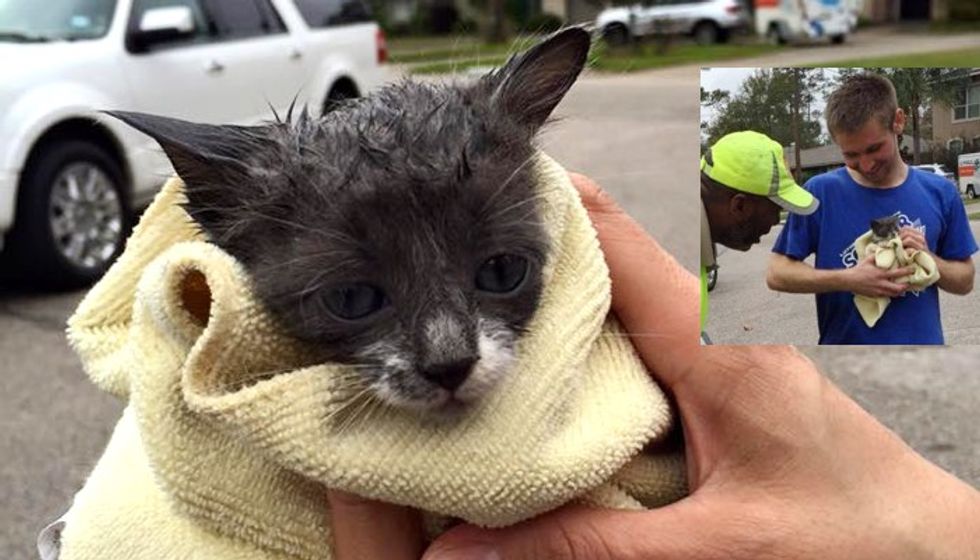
[[913, 239], [869, 280], [781, 464]]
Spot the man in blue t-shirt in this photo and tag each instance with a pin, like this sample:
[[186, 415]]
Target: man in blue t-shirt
[[864, 120]]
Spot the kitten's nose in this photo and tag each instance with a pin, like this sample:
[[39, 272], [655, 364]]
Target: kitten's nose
[[449, 375]]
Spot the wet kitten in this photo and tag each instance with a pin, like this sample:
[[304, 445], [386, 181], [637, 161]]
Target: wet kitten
[[883, 229], [400, 233]]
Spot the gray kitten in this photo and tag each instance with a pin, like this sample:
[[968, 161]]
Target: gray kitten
[[400, 233], [883, 229]]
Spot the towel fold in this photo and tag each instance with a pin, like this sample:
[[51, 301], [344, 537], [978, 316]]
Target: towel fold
[[233, 430], [889, 255]]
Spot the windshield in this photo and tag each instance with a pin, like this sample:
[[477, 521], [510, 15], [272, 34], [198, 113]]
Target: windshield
[[54, 20]]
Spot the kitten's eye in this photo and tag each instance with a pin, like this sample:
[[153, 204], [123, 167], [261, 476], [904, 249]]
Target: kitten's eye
[[501, 274], [355, 301]]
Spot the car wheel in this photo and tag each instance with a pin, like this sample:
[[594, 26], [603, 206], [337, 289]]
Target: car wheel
[[706, 33], [712, 277], [837, 39], [72, 216], [774, 36], [971, 193], [616, 34], [338, 94]]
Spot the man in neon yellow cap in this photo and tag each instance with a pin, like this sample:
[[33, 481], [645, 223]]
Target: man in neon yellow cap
[[744, 183]]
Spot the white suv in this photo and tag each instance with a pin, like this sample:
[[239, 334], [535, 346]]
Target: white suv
[[938, 169], [70, 177], [708, 21]]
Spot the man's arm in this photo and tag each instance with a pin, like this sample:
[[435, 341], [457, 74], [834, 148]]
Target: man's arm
[[955, 276], [793, 276], [797, 277]]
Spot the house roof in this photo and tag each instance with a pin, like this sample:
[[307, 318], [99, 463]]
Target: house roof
[[829, 155]]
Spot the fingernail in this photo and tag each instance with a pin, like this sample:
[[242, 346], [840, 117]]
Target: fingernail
[[470, 551]]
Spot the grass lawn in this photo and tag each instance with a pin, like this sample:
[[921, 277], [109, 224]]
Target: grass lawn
[[457, 54], [968, 201], [974, 216], [646, 56], [956, 58], [415, 50]]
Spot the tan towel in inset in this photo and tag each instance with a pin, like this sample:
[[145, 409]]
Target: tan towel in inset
[[889, 255], [216, 457]]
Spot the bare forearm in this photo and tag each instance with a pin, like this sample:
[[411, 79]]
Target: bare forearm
[[956, 277], [798, 277]]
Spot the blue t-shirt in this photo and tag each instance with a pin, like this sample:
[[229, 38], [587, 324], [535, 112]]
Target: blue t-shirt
[[926, 201]]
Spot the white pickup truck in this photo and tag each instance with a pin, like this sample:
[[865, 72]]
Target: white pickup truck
[[70, 178]]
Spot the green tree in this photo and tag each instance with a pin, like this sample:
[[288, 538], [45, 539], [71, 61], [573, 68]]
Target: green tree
[[777, 102]]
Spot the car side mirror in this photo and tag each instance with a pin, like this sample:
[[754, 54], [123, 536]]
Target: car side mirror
[[161, 25]]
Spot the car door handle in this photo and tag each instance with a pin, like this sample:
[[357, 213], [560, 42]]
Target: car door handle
[[213, 66], [295, 54]]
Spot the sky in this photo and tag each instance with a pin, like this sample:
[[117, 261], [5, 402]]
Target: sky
[[730, 79]]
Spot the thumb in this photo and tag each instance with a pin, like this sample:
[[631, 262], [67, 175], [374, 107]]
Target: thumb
[[579, 533]]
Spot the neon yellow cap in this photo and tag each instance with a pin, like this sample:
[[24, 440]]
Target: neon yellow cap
[[752, 162]]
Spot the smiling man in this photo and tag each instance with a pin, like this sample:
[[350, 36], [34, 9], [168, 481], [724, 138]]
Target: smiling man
[[744, 184], [864, 120]]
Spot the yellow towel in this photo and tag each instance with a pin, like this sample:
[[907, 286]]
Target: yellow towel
[[216, 458], [890, 254]]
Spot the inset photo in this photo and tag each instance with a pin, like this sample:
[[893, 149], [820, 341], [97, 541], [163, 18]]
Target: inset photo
[[839, 205]]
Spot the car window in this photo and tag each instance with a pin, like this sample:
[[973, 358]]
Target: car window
[[324, 13], [70, 20], [203, 29], [238, 19]]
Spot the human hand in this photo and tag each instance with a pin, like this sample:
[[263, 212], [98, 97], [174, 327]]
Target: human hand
[[781, 464], [912, 238], [868, 280], [369, 530]]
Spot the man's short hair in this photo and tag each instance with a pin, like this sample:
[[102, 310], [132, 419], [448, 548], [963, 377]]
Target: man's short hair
[[861, 98]]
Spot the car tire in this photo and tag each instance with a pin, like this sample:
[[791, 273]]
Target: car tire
[[337, 95], [712, 276], [838, 39], [775, 36], [706, 33], [616, 34], [67, 187], [971, 193]]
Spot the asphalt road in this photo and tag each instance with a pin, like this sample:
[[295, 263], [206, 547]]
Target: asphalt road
[[638, 136], [744, 310]]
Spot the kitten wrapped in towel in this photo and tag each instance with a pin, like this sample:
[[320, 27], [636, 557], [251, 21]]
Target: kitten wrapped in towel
[[403, 299], [885, 244]]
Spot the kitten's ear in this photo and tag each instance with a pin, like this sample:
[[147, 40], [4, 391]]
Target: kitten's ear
[[211, 160], [196, 150], [530, 85]]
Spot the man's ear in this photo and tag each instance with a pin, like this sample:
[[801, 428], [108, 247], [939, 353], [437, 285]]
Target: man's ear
[[898, 124], [530, 85], [739, 206]]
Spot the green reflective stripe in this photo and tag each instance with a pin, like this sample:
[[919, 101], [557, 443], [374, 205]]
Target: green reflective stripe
[[774, 182], [704, 296]]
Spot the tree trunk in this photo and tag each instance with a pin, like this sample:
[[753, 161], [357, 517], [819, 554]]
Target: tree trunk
[[915, 134], [795, 115], [495, 31]]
